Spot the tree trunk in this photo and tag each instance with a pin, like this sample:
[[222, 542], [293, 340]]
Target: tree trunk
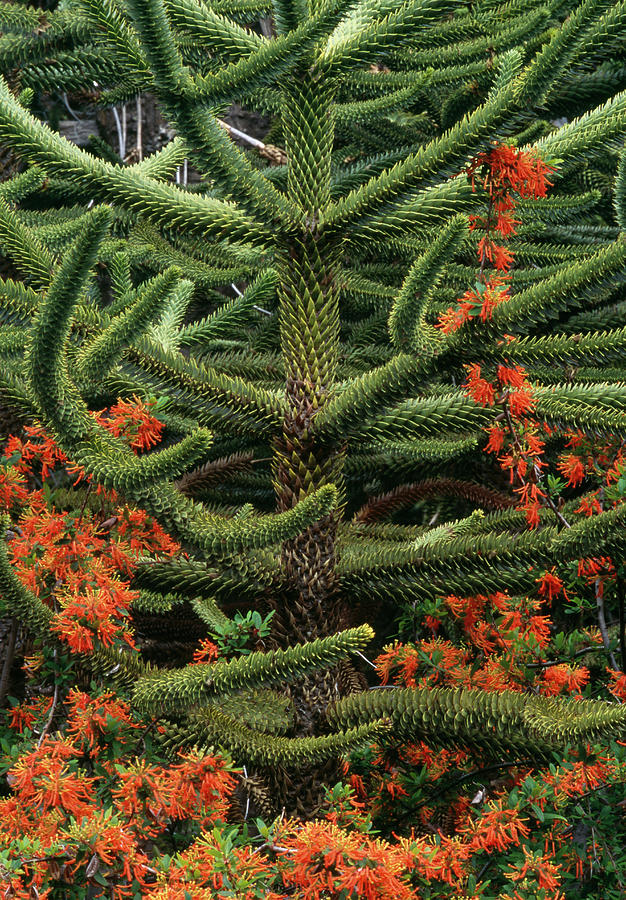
[[308, 264]]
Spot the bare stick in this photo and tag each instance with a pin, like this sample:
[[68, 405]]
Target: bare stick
[[139, 140], [254, 306], [242, 135], [275, 155], [602, 623], [121, 148], [124, 130]]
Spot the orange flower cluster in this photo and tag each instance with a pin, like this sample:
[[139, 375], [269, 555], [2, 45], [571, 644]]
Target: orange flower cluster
[[91, 807], [504, 173], [564, 678], [59, 800], [206, 652], [323, 860], [617, 685], [597, 571], [133, 421], [516, 436], [604, 460], [78, 563], [476, 303], [495, 828], [500, 636], [550, 585], [544, 873]]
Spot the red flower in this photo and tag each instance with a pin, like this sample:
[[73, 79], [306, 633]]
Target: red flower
[[25, 714], [531, 497], [514, 376], [496, 439], [545, 872], [432, 623], [494, 294], [572, 468], [550, 585], [133, 420], [452, 319], [506, 168], [207, 652], [563, 678], [496, 828], [13, 488], [480, 390], [98, 613], [539, 627], [94, 720], [505, 224], [520, 402], [322, 860], [500, 257], [618, 684], [43, 780]]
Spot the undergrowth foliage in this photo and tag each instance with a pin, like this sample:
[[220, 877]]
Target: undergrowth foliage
[[95, 805], [408, 420]]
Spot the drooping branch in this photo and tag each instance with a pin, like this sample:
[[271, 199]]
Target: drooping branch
[[383, 505]]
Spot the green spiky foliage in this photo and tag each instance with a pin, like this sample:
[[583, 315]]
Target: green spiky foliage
[[319, 401]]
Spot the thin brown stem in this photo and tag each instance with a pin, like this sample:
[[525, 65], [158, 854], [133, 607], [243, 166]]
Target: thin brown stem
[[55, 700], [82, 509], [9, 655]]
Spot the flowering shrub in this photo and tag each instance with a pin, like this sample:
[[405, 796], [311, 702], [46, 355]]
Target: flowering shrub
[[93, 805]]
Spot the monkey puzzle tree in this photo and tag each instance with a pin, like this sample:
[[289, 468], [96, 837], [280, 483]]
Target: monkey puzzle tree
[[327, 381]]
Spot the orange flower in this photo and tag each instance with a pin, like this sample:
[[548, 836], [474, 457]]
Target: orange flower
[[133, 420], [495, 828], [531, 496], [432, 623], [572, 468], [550, 585], [13, 488], [41, 449], [207, 652], [25, 714], [590, 506], [618, 684], [135, 788], [539, 627], [496, 439], [444, 860], [95, 613], [520, 402], [476, 387], [452, 319], [499, 256], [43, 780], [545, 872], [563, 678], [514, 376], [323, 860], [494, 294], [92, 720]]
